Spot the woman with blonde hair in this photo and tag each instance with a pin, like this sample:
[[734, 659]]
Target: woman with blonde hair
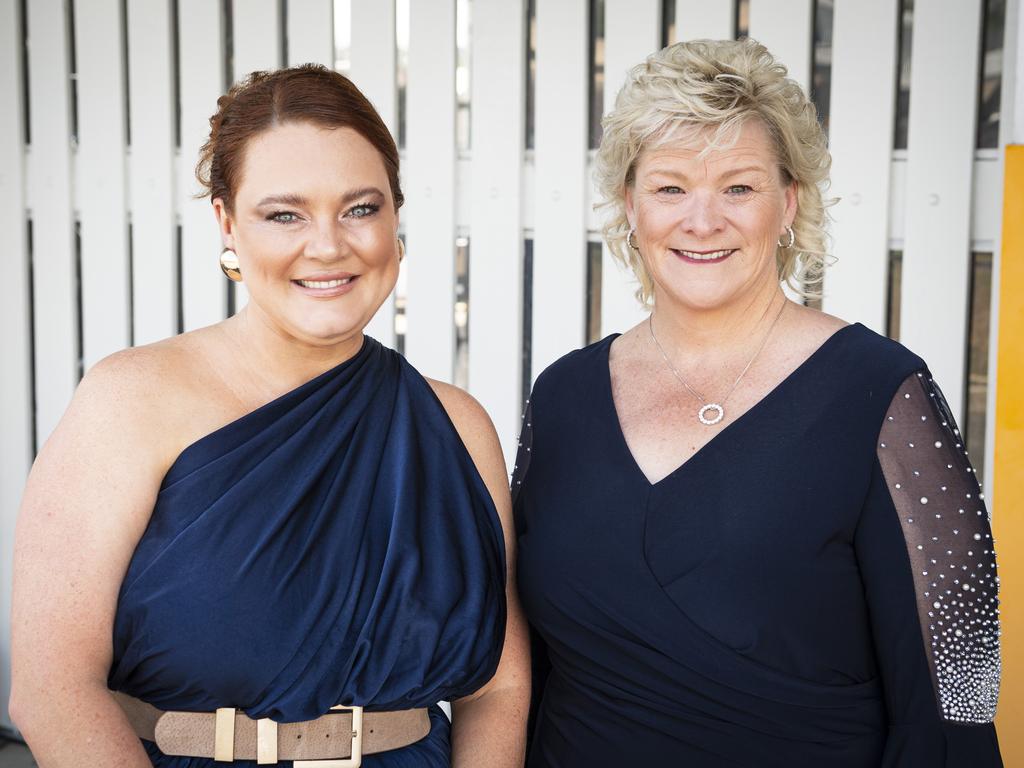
[[749, 533]]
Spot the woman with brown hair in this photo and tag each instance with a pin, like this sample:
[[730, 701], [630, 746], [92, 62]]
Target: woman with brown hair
[[234, 532]]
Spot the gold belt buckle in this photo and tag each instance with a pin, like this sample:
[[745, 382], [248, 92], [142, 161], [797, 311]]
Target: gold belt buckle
[[355, 758]]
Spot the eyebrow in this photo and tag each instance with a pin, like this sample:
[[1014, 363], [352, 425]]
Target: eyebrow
[[291, 199], [726, 174]]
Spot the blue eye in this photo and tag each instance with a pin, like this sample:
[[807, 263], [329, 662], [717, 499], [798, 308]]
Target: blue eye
[[283, 217], [363, 210], [671, 190], [739, 189]]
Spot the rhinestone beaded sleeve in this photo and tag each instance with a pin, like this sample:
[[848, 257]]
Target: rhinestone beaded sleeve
[[949, 540], [523, 453]]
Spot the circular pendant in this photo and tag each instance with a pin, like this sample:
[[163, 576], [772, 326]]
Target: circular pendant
[[719, 414]]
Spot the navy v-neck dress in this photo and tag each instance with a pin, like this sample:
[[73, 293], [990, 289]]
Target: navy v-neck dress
[[815, 587]]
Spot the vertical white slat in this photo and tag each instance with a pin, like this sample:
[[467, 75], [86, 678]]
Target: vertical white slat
[[430, 170], [16, 382], [257, 36], [860, 138], [496, 239], [311, 32], [373, 58], [373, 72], [49, 187], [201, 67], [101, 179], [257, 45], [699, 19], [784, 27], [154, 261], [936, 252], [560, 155], [631, 33]]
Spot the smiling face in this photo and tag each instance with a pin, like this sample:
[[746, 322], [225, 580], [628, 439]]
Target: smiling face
[[314, 226], [707, 227]]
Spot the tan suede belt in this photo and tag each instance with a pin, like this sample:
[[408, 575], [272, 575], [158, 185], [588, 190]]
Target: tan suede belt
[[338, 739]]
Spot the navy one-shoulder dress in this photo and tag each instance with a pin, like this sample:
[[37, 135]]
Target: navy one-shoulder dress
[[336, 546], [814, 587]]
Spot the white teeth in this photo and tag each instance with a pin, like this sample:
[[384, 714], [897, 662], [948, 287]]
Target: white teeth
[[323, 283], [707, 256]]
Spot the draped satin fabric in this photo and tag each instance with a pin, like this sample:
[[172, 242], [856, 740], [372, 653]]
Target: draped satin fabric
[[336, 545]]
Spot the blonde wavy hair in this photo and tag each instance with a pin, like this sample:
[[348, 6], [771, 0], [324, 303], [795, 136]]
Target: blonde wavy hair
[[713, 87]]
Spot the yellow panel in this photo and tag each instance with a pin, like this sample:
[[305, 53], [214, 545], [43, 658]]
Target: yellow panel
[[1008, 481]]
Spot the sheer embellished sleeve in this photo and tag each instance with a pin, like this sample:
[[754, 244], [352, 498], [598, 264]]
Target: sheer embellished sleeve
[[926, 554], [523, 453]]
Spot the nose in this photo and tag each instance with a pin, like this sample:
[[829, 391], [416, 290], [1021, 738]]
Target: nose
[[702, 216], [326, 242]]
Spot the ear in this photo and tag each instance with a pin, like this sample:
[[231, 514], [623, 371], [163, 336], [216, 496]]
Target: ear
[[225, 222], [791, 195]]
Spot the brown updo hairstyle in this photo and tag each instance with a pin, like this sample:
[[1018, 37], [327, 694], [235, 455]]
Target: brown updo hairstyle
[[308, 93]]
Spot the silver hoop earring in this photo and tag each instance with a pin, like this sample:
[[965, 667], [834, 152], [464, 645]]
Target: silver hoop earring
[[630, 238], [792, 238]]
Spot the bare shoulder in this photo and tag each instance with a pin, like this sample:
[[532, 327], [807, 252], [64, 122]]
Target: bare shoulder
[[481, 440], [812, 326], [139, 374], [139, 397], [138, 377], [479, 436], [470, 419]]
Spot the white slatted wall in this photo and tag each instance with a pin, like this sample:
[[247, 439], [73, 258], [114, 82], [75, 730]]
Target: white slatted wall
[[49, 186], [151, 170], [102, 195], [560, 179], [861, 138], [429, 180], [16, 383], [938, 194], [310, 32], [496, 239], [201, 33], [784, 26], [632, 31], [497, 193]]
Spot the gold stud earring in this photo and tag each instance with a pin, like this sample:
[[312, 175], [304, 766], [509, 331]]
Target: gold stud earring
[[229, 265]]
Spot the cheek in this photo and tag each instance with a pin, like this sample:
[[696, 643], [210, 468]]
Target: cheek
[[758, 221], [260, 258], [655, 219], [379, 245]]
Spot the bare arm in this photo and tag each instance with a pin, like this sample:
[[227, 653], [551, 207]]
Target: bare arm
[[489, 726], [87, 502]]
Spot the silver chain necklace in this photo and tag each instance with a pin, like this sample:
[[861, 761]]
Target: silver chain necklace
[[717, 408]]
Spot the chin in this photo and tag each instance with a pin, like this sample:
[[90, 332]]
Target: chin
[[329, 332], [709, 299]]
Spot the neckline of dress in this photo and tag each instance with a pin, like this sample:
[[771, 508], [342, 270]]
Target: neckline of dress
[[742, 418], [368, 344]]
